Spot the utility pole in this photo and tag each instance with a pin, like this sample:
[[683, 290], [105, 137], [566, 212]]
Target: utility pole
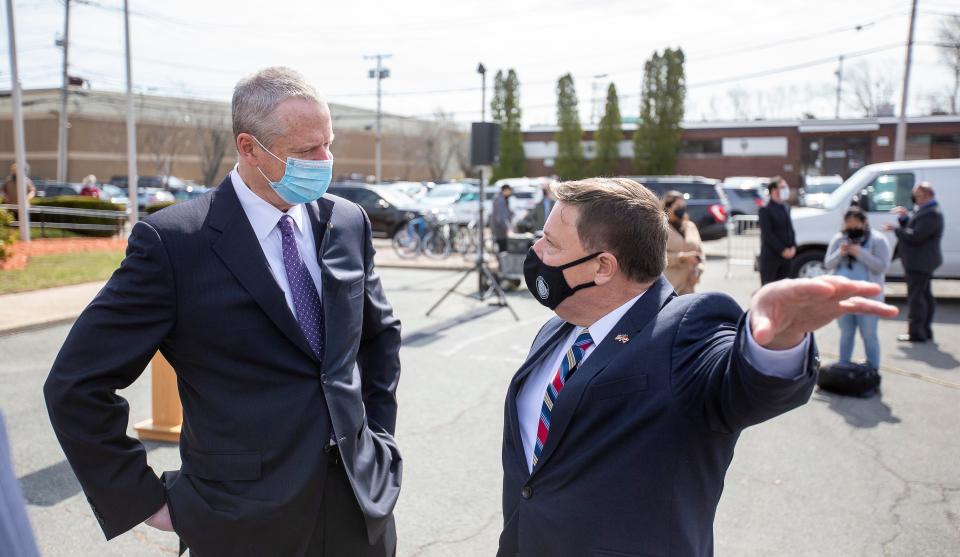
[[62, 148], [132, 178], [901, 146], [379, 73], [839, 73], [23, 208]]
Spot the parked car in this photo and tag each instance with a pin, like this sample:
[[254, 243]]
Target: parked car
[[149, 181], [113, 194], [56, 189], [387, 208], [414, 190], [706, 205], [188, 192], [878, 188], [817, 189], [743, 200]]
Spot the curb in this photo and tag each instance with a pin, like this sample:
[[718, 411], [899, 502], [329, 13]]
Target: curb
[[17, 329]]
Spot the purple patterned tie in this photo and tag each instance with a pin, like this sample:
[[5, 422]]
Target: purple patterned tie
[[306, 301]]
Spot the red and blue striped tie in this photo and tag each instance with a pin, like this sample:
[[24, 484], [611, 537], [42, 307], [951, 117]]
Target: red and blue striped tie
[[567, 367]]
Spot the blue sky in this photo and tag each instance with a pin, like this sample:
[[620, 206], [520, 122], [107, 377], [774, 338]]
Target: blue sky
[[201, 48]]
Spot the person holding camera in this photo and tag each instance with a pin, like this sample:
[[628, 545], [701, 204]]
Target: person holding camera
[[684, 248], [858, 253]]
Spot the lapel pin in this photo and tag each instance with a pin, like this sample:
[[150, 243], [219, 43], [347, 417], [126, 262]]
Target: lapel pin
[[623, 339], [330, 225]]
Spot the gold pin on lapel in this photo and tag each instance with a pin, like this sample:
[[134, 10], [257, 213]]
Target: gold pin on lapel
[[623, 339]]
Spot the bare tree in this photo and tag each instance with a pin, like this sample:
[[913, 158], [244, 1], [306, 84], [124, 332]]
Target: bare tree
[[164, 138], [872, 91], [739, 100], [950, 54], [214, 139], [440, 144]]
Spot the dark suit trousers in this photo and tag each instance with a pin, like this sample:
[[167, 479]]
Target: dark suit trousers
[[341, 530], [773, 268], [921, 305]]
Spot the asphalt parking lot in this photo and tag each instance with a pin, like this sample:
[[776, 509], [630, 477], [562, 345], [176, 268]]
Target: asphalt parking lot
[[837, 477]]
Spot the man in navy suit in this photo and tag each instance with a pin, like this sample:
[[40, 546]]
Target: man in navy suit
[[264, 298], [622, 422]]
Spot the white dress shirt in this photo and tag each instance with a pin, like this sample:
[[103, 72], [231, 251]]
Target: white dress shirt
[[788, 364], [265, 218]]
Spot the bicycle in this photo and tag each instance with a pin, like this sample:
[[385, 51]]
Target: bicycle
[[425, 234]]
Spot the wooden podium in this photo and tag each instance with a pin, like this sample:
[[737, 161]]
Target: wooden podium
[[165, 400]]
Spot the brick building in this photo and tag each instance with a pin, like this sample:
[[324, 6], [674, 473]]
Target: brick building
[[175, 136], [764, 148]]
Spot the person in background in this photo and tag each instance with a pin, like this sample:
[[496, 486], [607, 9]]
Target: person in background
[[684, 248], [10, 193], [919, 238], [777, 240], [502, 217], [537, 216], [90, 186], [859, 254]]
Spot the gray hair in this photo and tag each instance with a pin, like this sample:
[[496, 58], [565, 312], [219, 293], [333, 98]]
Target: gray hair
[[256, 97], [926, 188]]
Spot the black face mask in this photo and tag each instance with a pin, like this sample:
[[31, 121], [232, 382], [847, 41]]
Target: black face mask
[[547, 284], [855, 233], [913, 199], [680, 212]]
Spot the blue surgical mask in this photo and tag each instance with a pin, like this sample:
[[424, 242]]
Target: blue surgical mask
[[303, 181]]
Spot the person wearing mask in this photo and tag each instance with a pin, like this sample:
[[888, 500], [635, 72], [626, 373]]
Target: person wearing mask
[[620, 425], [536, 217], [918, 237], [264, 298], [857, 253], [684, 248], [777, 240], [10, 193], [502, 217], [90, 187]]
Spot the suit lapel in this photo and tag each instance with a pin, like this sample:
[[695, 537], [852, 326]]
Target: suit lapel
[[238, 248], [320, 214], [638, 317]]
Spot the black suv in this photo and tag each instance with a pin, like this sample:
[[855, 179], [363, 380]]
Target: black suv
[[705, 202], [387, 208]]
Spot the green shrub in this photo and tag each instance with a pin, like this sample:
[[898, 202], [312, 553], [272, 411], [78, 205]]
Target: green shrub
[[80, 202], [7, 234], [151, 209]]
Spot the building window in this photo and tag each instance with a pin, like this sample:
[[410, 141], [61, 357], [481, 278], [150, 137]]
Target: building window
[[933, 146], [700, 148]]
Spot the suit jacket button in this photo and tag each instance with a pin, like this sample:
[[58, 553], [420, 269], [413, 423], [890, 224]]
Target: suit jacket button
[[323, 378], [526, 492]]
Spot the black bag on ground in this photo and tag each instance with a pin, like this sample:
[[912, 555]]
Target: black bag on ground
[[849, 379]]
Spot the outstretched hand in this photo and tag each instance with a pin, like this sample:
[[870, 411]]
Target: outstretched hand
[[783, 312]]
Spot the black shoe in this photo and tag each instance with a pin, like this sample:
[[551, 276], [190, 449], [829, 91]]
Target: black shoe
[[907, 338]]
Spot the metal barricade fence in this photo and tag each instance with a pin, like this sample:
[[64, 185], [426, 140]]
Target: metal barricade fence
[[44, 218], [743, 241]]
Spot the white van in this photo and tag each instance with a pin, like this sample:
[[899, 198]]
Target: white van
[[877, 188]]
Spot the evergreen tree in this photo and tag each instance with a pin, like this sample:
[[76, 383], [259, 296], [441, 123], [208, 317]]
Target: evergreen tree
[[608, 136], [570, 163], [506, 111], [662, 100]]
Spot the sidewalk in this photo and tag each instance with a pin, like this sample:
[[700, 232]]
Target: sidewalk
[[29, 310], [23, 311]]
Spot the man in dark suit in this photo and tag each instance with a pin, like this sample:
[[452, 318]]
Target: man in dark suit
[[264, 298], [918, 245], [778, 245], [620, 426]]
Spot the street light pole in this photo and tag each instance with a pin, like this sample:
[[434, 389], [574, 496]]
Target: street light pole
[[901, 147], [483, 91], [62, 149], [379, 74], [836, 113], [23, 205], [131, 125]]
